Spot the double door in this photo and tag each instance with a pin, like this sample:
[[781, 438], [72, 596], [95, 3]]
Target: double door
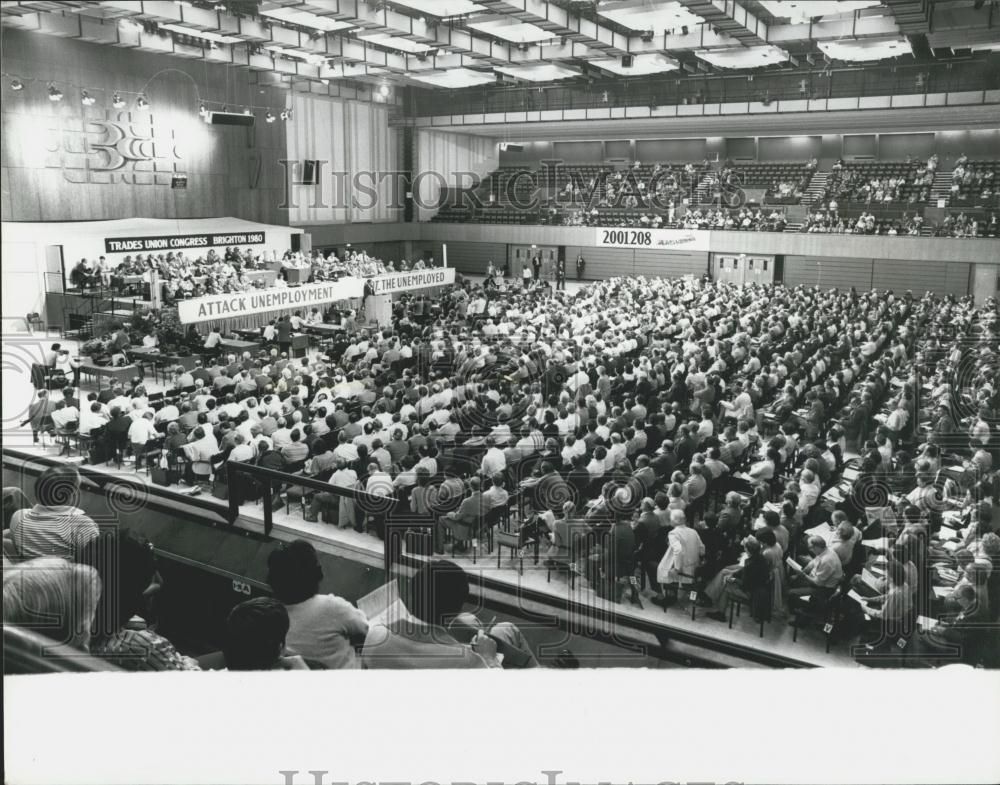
[[520, 256], [743, 268]]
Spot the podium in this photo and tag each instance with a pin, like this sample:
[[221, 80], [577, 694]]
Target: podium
[[378, 309]]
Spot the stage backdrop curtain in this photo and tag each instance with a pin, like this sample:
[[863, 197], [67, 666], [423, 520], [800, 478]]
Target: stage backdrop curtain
[[442, 157], [357, 151]]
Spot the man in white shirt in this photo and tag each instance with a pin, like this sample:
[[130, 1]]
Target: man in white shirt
[[494, 461]]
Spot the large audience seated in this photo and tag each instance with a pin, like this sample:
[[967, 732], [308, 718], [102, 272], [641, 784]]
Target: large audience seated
[[885, 198], [828, 458]]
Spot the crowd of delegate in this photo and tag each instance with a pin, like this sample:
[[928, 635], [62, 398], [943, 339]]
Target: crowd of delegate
[[652, 438]]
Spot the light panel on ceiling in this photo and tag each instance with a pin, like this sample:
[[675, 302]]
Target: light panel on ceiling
[[642, 65], [306, 19], [442, 8], [744, 56], [205, 34], [865, 50], [395, 42], [803, 11], [548, 72], [510, 29], [649, 16], [454, 78]]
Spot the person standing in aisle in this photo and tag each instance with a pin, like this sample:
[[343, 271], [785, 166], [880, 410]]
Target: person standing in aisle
[[580, 265], [561, 273]]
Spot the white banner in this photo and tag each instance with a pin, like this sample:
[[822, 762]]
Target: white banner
[[652, 239], [230, 306], [415, 279]]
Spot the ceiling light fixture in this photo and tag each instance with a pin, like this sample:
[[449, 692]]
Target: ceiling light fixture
[[55, 94], [117, 102], [141, 103], [383, 90], [269, 117], [87, 99], [16, 84], [202, 110]]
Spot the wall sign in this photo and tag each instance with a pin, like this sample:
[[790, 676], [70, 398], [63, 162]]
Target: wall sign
[[111, 146], [180, 242], [417, 279], [653, 239]]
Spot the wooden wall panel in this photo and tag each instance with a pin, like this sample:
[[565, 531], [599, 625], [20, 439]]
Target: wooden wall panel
[[667, 264], [958, 279], [601, 262], [53, 169], [901, 276], [472, 258], [828, 273]]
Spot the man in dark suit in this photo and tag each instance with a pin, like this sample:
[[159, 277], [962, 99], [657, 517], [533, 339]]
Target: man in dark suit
[[470, 513], [561, 273], [284, 330], [200, 372]]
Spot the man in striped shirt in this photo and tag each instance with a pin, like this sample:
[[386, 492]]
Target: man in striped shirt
[[53, 527]]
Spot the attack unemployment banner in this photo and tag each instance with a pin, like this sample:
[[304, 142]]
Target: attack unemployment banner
[[416, 279], [653, 239], [232, 306]]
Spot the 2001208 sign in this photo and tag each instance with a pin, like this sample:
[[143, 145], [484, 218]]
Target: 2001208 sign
[[627, 237]]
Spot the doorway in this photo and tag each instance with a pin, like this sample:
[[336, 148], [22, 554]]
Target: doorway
[[520, 255]]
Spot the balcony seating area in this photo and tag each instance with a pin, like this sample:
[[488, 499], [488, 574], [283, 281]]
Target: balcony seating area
[[880, 182], [974, 184], [784, 183]]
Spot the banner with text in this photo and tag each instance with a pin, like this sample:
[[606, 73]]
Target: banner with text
[[180, 242], [653, 239], [231, 306], [416, 279]]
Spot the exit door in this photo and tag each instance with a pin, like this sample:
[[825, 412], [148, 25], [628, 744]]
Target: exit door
[[743, 269], [520, 256]]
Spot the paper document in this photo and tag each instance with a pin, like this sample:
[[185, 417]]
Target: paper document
[[383, 605], [926, 623], [793, 564], [942, 591], [856, 597], [878, 544], [870, 580]]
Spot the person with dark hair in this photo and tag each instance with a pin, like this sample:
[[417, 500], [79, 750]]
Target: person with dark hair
[[323, 628], [120, 634], [438, 592], [54, 526], [255, 637]]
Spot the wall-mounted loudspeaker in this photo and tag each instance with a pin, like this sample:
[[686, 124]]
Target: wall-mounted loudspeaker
[[229, 118]]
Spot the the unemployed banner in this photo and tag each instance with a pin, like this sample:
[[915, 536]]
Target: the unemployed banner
[[180, 242], [416, 279], [653, 239], [231, 306]]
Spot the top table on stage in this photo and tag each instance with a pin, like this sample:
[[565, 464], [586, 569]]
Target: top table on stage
[[324, 329], [239, 346]]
